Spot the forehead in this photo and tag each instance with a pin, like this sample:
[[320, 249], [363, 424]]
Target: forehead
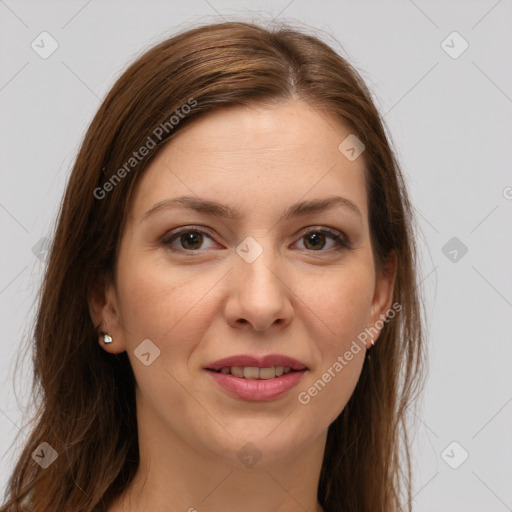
[[271, 131], [254, 155]]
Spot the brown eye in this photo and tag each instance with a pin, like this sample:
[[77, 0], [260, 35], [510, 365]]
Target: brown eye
[[317, 240], [192, 240]]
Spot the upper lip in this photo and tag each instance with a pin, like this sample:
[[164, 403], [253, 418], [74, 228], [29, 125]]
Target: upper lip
[[245, 360]]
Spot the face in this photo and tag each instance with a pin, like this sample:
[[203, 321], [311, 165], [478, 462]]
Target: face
[[264, 269]]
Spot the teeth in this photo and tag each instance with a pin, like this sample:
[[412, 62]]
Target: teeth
[[252, 372], [237, 372], [266, 373]]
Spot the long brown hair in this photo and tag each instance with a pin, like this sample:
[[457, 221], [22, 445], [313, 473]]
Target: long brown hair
[[85, 396]]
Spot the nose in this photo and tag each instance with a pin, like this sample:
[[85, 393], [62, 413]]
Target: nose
[[259, 295]]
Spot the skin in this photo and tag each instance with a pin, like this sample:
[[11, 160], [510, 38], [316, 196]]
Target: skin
[[301, 298]]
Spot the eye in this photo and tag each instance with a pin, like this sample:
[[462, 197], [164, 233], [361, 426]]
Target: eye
[[316, 239], [188, 239]]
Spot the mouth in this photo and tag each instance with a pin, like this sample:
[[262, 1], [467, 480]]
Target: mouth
[[257, 379], [254, 384]]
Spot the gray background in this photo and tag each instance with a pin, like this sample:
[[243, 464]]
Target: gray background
[[450, 124]]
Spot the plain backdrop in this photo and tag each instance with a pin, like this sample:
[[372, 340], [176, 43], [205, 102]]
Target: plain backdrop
[[441, 75]]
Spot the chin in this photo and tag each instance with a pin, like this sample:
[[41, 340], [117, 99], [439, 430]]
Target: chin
[[265, 442]]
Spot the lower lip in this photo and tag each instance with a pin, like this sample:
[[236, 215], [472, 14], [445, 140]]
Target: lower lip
[[257, 389]]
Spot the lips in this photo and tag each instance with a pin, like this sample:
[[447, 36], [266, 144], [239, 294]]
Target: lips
[[255, 378]]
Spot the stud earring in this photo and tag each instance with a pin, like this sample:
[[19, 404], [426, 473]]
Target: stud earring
[[107, 339]]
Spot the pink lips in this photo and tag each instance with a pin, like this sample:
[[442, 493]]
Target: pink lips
[[257, 389]]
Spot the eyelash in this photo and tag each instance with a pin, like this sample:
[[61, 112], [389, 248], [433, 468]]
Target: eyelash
[[343, 243]]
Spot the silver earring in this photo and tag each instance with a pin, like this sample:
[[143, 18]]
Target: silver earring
[[107, 339]]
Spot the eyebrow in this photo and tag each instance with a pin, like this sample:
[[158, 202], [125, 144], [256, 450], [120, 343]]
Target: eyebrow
[[228, 212]]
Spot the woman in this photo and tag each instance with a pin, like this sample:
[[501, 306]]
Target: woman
[[230, 315]]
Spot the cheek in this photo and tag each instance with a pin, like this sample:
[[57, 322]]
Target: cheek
[[168, 306], [163, 303], [343, 310], [328, 392], [342, 303]]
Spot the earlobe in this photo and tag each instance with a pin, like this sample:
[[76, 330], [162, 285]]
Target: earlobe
[[104, 315]]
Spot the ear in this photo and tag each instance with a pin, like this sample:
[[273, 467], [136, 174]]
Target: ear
[[104, 313], [382, 297]]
